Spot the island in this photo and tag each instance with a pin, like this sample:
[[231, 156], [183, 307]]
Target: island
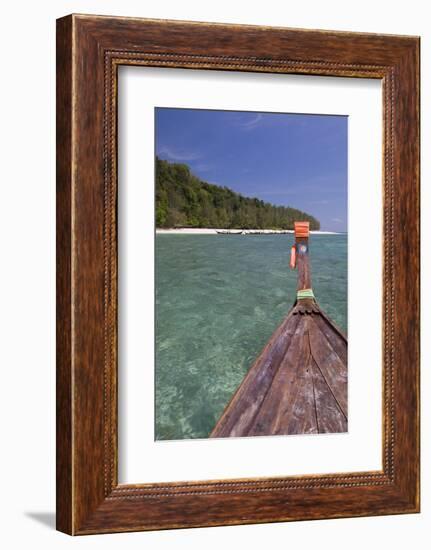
[[183, 201]]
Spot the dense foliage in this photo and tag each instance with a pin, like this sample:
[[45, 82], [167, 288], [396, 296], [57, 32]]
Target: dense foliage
[[183, 200]]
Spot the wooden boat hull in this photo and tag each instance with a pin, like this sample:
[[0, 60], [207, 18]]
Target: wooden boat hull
[[297, 385]]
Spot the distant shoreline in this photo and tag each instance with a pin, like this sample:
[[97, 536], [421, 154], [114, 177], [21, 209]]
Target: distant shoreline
[[209, 231]]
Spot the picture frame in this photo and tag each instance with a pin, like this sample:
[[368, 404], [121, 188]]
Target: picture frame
[[89, 51]]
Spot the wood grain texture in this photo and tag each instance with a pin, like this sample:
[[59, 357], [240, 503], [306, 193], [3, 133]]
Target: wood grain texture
[[251, 393], [303, 263], [284, 392], [64, 496], [89, 499], [330, 418], [297, 385], [330, 365]]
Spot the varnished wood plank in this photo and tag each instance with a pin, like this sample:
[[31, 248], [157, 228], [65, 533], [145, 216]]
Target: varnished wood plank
[[402, 290], [337, 342], [331, 323], [241, 410], [300, 415], [330, 418], [371, 50], [333, 370], [284, 385], [64, 386]]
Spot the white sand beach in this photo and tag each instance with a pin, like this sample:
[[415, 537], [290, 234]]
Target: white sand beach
[[209, 231]]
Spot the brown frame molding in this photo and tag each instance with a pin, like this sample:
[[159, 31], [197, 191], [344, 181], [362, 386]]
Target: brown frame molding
[[89, 51]]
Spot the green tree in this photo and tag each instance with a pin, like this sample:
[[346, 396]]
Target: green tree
[[183, 200]]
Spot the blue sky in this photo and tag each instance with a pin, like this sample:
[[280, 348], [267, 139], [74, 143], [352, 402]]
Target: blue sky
[[286, 159]]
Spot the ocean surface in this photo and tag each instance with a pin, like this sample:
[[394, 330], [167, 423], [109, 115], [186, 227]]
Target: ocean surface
[[218, 300]]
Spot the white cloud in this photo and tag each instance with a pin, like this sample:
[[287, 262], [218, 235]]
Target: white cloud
[[252, 123], [202, 167], [179, 154]]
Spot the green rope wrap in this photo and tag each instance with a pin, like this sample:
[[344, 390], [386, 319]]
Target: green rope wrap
[[305, 293]]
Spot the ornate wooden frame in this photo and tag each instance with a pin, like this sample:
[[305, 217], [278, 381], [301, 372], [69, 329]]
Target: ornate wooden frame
[[89, 51]]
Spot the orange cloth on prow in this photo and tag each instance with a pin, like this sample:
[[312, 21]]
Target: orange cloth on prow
[[302, 229], [293, 257]]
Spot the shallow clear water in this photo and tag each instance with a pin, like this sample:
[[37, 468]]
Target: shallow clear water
[[218, 300]]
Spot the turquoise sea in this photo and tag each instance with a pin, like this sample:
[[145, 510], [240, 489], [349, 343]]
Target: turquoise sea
[[218, 300]]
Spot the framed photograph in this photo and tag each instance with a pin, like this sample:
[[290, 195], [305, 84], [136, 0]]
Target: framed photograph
[[237, 274]]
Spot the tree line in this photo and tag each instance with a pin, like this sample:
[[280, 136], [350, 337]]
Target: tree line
[[183, 200]]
